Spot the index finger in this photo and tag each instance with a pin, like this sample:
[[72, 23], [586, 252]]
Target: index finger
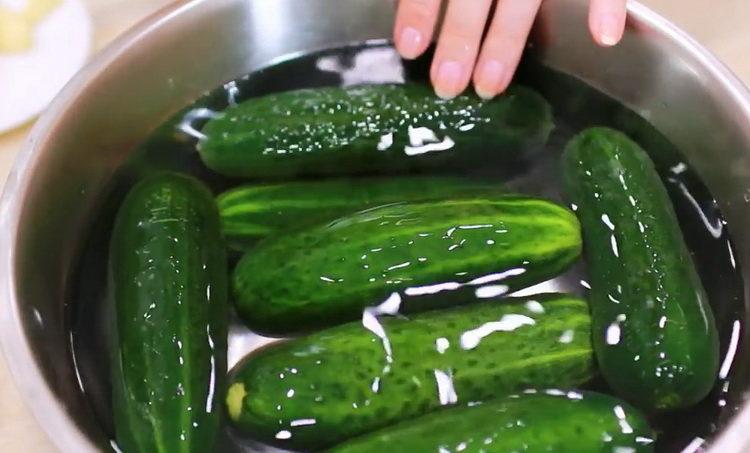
[[415, 25]]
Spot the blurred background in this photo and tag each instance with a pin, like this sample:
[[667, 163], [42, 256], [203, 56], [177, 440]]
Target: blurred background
[[43, 42]]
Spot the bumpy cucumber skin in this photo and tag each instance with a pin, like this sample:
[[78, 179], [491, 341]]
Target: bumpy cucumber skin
[[169, 277], [319, 390], [250, 213], [327, 275], [654, 331], [548, 421], [365, 129]]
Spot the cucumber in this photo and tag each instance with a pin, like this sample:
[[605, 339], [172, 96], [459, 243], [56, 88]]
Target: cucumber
[[654, 332], [249, 213], [328, 274], [168, 273], [370, 129], [540, 421], [315, 391]]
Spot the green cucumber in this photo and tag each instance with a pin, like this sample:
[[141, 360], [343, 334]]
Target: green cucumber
[[369, 129], [168, 272], [315, 391], [249, 213], [654, 332], [328, 274], [535, 421]]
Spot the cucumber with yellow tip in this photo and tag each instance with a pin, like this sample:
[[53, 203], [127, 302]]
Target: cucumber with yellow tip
[[315, 391]]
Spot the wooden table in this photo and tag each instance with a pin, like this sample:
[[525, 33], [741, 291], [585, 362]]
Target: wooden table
[[721, 26]]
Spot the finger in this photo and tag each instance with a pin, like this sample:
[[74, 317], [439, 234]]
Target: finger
[[415, 24], [458, 46], [504, 45], [607, 21]]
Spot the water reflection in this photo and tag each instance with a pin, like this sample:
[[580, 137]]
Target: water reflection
[[194, 120], [371, 322], [371, 65], [424, 140], [726, 364], [508, 323], [445, 388], [612, 336], [486, 290], [715, 227]]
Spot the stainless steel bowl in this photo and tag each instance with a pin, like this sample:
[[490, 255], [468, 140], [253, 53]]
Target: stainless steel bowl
[[193, 46]]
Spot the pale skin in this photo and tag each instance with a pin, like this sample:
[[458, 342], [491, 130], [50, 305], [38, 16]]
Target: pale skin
[[463, 57]]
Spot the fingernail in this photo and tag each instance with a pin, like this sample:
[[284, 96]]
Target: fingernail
[[490, 79], [410, 42], [448, 79], [610, 30]]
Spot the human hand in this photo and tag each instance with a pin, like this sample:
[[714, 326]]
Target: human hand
[[458, 58]]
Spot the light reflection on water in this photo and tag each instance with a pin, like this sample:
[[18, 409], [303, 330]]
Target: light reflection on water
[[508, 323]]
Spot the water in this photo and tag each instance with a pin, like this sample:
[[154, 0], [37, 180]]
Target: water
[[172, 146]]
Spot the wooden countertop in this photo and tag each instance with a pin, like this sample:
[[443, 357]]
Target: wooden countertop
[[720, 26]]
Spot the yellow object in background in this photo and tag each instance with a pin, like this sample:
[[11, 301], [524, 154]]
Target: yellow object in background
[[37, 10], [16, 33], [17, 25]]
